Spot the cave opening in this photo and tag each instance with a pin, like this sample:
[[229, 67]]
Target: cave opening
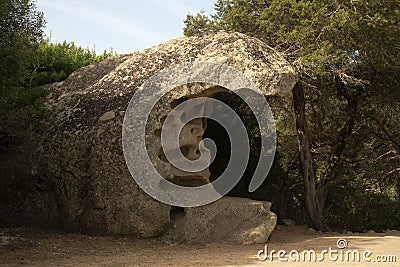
[[202, 128], [218, 134]]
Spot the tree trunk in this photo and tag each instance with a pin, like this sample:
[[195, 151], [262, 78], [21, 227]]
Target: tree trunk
[[312, 197], [316, 193]]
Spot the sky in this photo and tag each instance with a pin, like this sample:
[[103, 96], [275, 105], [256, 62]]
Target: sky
[[126, 26]]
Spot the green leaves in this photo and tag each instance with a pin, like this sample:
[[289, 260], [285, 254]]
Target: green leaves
[[313, 33], [21, 27], [26, 63], [196, 24], [55, 62]]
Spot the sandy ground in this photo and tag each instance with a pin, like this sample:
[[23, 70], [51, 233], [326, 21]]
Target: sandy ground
[[41, 248]]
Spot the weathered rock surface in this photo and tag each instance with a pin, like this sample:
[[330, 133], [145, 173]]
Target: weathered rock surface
[[233, 220], [77, 178]]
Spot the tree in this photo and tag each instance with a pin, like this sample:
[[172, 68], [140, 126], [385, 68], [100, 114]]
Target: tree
[[197, 23], [21, 28], [342, 51], [55, 62], [27, 62]]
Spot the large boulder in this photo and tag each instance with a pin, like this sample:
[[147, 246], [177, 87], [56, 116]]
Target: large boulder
[[78, 179]]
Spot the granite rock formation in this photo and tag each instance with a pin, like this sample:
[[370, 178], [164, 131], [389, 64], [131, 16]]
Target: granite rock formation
[[74, 177]]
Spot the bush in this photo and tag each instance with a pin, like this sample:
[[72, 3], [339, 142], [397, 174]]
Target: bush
[[21, 100], [55, 62], [21, 111], [360, 209]]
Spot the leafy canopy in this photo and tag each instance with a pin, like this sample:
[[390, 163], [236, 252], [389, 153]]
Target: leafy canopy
[[316, 35]]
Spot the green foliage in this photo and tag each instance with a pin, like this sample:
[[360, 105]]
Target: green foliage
[[197, 23], [314, 34], [21, 112], [357, 208], [21, 28], [55, 62], [28, 62]]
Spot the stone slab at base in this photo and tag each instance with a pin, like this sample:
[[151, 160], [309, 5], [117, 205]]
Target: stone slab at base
[[230, 219]]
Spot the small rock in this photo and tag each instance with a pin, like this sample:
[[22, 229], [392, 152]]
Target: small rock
[[108, 116]]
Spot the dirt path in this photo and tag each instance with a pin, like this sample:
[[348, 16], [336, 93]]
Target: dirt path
[[38, 248]]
